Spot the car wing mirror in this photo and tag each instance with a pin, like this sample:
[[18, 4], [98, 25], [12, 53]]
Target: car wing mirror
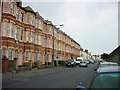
[[95, 70]]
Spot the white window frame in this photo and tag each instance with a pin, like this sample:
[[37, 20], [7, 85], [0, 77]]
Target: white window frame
[[40, 24], [28, 18], [27, 36], [36, 38], [11, 29], [36, 23], [16, 33], [27, 55], [22, 17], [16, 53], [35, 56], [32, 20], [33, 35], [21, 35], [6, 6], [10, 53], [31, 53], [39, 40], [5, 24], [12, 8], [17, 13], [3, 51]]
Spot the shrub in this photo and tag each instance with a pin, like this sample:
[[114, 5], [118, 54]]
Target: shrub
[[61, 62], [11, 65], [49, 63], [34, 65]]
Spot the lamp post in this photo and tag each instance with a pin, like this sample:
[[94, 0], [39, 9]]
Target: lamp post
[[53, 46]]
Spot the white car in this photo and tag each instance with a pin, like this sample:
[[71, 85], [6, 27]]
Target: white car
[[78, 60], [83, 64]]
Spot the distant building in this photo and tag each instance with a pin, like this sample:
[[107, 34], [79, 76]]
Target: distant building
[[85, 54], [96, 57], [114, 56]]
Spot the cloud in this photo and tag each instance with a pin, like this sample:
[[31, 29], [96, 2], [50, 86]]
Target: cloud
[[93, 25]]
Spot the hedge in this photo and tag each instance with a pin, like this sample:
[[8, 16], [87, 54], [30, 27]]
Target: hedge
[[61, 62]]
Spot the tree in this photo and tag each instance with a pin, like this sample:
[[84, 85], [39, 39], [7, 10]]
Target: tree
[[104, 56]]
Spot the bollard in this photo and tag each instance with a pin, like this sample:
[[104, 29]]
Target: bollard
[[4, 64]]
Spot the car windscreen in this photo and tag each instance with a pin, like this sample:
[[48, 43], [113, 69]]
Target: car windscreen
[[70, 60], [107, 80], [82, 62], [78, 59]]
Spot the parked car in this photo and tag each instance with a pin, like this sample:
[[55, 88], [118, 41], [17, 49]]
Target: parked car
[[91, 61], [83, 64], [78, 60], [70, 63], [103, 64], [105, 77], [87, 61]]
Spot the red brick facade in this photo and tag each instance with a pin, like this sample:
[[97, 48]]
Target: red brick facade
[[27, 36]]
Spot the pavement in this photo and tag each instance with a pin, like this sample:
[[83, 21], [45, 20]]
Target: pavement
[[9, 75]]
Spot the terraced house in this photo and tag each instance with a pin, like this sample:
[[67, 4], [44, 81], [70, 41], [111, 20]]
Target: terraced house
[[27, 36]]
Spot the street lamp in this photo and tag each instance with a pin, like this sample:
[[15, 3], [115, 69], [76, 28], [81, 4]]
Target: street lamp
[[53, 46]]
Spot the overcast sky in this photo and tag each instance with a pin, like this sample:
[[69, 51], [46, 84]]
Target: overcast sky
[[93, 24]]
